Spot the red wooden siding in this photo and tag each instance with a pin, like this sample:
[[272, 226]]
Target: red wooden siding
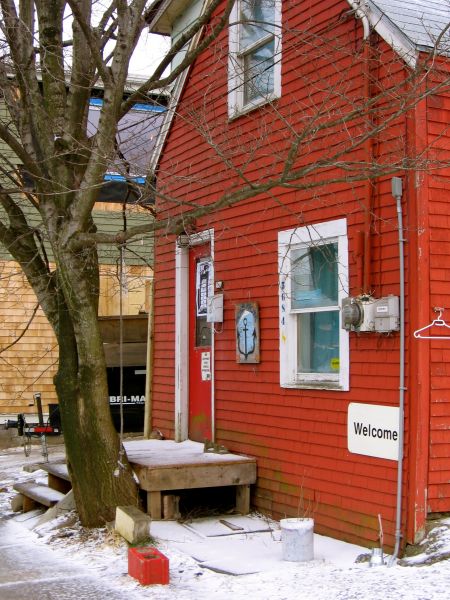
[[298, 436], [438, 111], [164, 336]]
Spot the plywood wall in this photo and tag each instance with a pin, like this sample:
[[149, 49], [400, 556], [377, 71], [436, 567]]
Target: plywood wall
[[28, 353], [28, 349]]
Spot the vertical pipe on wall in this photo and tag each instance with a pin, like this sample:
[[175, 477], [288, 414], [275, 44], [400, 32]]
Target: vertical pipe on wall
[[369, 190], [364, 243], [397, 194], [149, 364]]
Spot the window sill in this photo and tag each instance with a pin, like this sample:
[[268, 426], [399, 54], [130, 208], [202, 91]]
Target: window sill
[[236, 111], [315, 385]]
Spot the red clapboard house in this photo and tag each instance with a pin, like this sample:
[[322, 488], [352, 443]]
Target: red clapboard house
[[309, 144]]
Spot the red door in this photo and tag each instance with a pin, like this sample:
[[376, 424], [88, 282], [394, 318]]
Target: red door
[[200, 367]]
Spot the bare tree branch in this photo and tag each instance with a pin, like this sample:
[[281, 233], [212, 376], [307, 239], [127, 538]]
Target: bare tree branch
[[156, 80], [23, 332]]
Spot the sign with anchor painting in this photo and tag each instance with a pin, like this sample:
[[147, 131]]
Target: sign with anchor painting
[[247, 333]]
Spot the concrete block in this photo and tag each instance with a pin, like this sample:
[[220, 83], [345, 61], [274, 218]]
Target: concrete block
[[67, 503], [9, 437], [60, 508], [53, 520], [17, 503], [132, 524]]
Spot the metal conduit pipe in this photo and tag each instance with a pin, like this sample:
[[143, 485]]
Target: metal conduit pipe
[[397, 192]]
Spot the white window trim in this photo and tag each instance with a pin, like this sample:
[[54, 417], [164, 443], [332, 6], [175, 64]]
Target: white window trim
[[236, 106], [318, 233]]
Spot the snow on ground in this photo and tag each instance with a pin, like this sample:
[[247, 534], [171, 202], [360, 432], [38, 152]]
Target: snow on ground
[[332, 575]]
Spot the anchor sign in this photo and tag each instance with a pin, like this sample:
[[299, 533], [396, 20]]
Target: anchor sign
[[247, 342]]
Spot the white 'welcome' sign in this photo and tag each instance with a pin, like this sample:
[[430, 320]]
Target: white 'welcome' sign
[[373, 430]]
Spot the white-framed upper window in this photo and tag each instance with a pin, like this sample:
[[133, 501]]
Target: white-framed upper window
[[313, 269], [254, 62]]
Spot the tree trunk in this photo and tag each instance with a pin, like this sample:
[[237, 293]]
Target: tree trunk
[[101, 476]]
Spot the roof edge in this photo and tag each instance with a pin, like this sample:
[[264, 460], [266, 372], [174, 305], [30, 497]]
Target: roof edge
[[387, 30], [164, 13]]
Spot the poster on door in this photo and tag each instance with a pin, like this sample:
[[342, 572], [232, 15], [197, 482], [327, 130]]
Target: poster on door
[[203, 285]]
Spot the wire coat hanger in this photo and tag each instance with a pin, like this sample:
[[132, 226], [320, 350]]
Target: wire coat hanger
[[439, 322]]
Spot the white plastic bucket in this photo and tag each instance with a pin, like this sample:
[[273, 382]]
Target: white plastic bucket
[[297, 539]]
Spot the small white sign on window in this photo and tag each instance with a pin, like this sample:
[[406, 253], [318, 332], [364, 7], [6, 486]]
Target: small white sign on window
[[373, 430]]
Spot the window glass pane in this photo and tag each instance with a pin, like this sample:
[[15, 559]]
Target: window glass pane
[[257, 18], [202, 332], [318, 342], [314, 276], [258, 72]]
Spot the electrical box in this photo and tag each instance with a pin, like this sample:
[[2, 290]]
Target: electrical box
[[365, 313], [214, 309]]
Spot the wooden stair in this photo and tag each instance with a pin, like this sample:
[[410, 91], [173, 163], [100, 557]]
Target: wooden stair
[[58, 476], [38, 494]]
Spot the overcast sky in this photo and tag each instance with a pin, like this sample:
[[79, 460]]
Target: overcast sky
[[149, 52], [150, 49]]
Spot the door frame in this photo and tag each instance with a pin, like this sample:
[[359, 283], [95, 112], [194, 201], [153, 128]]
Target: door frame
[[183, 243]]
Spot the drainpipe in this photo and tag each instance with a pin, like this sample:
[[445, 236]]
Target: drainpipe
[[397, 191], [369, 190], [358, 6], [364, 243]]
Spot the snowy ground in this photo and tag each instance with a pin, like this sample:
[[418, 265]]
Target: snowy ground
[[196, 550]]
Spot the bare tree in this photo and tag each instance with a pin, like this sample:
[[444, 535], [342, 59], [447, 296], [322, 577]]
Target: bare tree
[[46, 129]]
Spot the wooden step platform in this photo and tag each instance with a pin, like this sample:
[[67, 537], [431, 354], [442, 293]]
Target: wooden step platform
[[37, 493], [58, 476], [164, 465]]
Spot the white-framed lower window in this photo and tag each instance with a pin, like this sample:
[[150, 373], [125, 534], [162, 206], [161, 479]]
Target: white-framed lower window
[[254, 61], [313, 269]]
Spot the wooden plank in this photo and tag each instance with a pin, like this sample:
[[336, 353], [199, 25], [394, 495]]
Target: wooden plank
[[134, 328], [38, 493], [27, 503], [58, 476], [57, 469], [167, 459], [198, 476], [243, 499], [56, 483], [134, 354], [154, 505], [171, 507]]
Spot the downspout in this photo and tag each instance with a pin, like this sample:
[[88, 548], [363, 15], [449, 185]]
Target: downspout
[[396, 183], [369, 189], [357, 6], [364, 241]]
